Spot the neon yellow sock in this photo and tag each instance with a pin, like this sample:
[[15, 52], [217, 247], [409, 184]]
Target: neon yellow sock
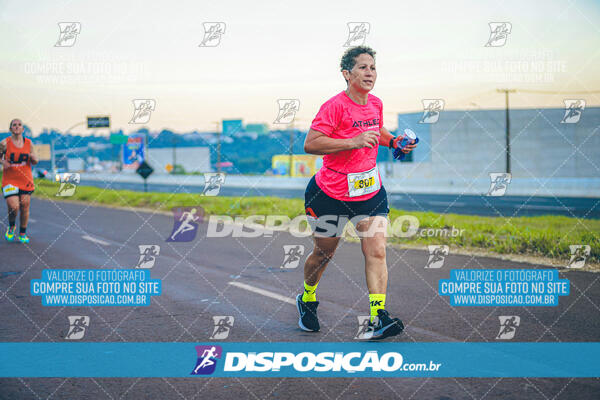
[[310, 292], [377, 302]]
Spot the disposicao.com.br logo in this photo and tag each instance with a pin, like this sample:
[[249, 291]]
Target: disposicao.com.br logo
[[254, 226], [325, 362]]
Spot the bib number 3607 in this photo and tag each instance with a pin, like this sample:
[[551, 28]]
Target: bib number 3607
[[362, 183]]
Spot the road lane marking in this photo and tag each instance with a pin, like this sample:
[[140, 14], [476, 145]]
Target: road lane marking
[[273, 295], [264, 292], [92, 239]]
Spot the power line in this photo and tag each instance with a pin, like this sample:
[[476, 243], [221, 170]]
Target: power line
[[553, 92]]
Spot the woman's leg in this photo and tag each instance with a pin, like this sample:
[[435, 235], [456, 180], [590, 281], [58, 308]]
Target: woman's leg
[[24, 201], [373, 242], [317, 261], [12, 202]]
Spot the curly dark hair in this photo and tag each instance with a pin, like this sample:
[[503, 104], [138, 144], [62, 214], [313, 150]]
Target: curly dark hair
[[13, 120], [349, 57]]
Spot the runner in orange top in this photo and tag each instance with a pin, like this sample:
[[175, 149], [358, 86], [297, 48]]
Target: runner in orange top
[[17, 155]]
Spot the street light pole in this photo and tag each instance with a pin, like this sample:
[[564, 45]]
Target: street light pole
[[506, 92]]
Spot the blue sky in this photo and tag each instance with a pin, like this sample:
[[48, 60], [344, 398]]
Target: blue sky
[[276, 50]]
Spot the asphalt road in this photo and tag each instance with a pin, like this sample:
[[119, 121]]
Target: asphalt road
[[197, 284], [507, 206]]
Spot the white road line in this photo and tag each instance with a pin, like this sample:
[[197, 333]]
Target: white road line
[[32, 220], [264, 292], [435, 335], [99, 241]]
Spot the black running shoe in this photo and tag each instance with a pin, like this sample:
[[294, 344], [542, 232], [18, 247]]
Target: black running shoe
[[308, 315], [384, 326]]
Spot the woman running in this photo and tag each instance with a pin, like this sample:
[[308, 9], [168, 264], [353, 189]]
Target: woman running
[[348, 130], [17, 156]]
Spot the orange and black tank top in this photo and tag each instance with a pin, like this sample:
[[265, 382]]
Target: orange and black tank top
[[19, 173]]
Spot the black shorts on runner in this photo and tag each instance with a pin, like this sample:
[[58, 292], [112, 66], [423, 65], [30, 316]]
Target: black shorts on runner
[[17, 193], [328, 216]]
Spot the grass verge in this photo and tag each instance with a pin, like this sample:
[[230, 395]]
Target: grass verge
[[542, 236]]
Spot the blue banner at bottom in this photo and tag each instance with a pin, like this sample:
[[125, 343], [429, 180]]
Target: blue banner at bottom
[[304, 359]]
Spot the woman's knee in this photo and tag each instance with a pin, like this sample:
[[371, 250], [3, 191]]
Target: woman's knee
[[323, 256], [24, 203], [375, 249], [325, 249], [13, 206]]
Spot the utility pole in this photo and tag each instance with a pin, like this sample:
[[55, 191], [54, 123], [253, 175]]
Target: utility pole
[[506, 92], [120, 157], [291, 126], [146, 143]]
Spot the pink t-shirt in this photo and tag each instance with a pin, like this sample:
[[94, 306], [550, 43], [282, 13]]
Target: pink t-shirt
[[340, 117]]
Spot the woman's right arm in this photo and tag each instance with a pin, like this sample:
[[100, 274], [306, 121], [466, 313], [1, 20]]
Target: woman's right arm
[[318, 143], [3, 159]]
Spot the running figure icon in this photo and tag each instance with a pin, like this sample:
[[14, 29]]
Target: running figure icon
[[222, 326], [187, 219], [77, 326], [147, 256], [508, 326], [207, 359], [292, 255]]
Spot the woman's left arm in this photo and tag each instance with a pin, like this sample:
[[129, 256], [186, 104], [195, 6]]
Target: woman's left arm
[[385, 137], [388, 140], [32, 156]]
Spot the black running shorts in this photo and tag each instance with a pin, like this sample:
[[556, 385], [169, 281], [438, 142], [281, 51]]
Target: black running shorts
[[10, 190], [328, 216]]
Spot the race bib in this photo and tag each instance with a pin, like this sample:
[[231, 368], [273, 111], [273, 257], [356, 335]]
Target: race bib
[[362, 183], [9, 190]]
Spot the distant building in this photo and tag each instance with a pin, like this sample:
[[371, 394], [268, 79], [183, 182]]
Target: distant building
[[192, 159], [464, 146], [259, 129], [75, 164], [231, 127], [304, 165]]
